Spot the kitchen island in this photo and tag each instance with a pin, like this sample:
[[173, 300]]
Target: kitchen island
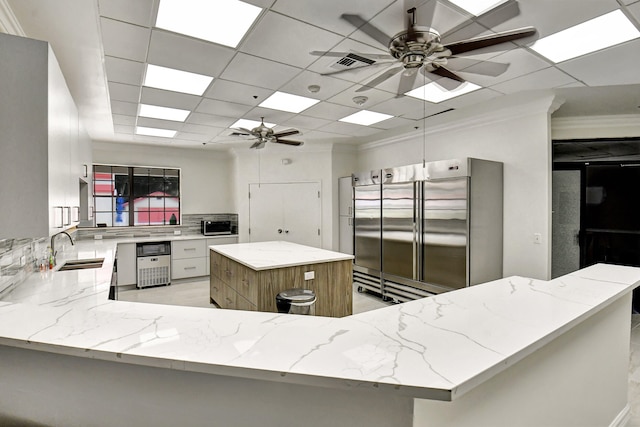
[[248, 276], [515, 351]]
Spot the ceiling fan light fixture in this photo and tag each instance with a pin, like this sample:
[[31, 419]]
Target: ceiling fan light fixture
[[176, 80], [477, 7], [435, 93], [595, 34], [163, 113], [365, 118], [221, 21], [288, 102], [147, 131]]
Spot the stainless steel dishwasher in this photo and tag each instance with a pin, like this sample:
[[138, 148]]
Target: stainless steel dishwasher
[[154, 263]]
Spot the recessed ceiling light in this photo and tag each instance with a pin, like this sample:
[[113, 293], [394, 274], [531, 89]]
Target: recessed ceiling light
[[365, 118], [165, 133], [598, 33], [164, 113], [435, 93], [477, 7], [221, 21], [249, 124], [176, 80], [288, 102]]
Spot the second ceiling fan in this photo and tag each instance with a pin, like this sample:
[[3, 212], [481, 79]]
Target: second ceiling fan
[[264, 134]]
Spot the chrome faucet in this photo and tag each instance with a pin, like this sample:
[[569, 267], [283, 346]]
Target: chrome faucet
[[53, 238]]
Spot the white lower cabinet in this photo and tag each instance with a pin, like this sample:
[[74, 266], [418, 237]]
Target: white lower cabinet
[[126, 256], [188, 258]]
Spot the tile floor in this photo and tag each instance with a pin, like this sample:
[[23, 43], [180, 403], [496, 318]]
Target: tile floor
[[196, 294]]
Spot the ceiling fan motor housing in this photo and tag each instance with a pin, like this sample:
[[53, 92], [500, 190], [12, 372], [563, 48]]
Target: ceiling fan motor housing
[[415, 45]]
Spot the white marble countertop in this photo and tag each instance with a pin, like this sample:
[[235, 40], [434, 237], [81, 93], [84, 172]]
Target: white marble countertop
[[435, 348], [268, 255]]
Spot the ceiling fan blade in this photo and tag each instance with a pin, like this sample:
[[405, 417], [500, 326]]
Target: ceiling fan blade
[[289, 142], [476, 66], [451, 80], [257, 144], [377, 64], [489, 40], [287, 132], [343, 54], [242, 131], [381, 78], [369, 29], [407, 80], [489, 19]]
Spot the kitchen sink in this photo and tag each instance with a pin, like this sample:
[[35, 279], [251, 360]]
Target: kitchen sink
[[82, 264]]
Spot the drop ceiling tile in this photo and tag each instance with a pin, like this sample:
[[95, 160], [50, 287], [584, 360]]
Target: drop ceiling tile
[[374, 96], [188, 54], [137, 12], [124, 108], [623, 69], [635, 10], [124, 71], [270, 116], [258, 72], [320, 136], [124, 40], [124, 129], [124, 92], [328, 16], [225, 90], [329, 111], [158, 123], [471, 98], [395, 122], [329, 86], [192, 136], [300, 121], [205, 130], [520, 61], [166, 98], [119, 119], [349, 129], [210, 120], [222, 108], [408, 107], [543, 79], [279, 38]]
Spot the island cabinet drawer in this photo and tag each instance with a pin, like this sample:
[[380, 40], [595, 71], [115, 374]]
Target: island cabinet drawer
[[190, 267], [228, 298], [216, 289], [247, 284], [182, 249], [216, 262], [243, 304]]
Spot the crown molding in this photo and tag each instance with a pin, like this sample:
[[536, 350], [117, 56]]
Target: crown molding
[[8, 22], [624, 125]]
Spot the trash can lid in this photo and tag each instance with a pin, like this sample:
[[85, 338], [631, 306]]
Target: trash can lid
[[297, 295]]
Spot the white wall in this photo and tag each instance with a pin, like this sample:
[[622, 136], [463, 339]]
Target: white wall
[[309, 163], [514, 130], [206, 175]]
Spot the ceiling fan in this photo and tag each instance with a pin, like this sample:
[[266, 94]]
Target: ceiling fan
[[265, 134], [420, 47]]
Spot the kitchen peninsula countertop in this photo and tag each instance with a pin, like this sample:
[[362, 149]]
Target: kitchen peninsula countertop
[[269, 255], [434, 348]]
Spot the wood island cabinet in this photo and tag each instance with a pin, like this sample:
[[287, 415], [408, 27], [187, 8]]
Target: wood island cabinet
[[235, 285]]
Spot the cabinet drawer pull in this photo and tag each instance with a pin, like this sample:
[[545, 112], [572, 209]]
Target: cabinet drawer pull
[[189, 268], [189, 249]]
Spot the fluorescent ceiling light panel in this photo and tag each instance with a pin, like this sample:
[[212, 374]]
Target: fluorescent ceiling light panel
[[220, 21], [250, 124], [477, 7], [288, 102], [365, 118], [435, 93], [596, 34], [164, 113], [176, 80], [165, 133]]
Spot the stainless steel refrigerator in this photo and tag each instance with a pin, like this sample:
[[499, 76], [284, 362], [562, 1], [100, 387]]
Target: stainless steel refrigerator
[[440, 228]]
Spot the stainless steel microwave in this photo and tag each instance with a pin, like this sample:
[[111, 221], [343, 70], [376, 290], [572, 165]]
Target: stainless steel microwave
[[221, 224]]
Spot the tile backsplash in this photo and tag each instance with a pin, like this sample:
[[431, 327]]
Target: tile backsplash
[[19, 258]]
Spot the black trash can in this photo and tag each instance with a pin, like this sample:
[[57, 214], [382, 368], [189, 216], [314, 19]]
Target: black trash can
[[296, 301]]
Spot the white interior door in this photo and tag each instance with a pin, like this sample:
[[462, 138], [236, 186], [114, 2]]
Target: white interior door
[[285, 211]]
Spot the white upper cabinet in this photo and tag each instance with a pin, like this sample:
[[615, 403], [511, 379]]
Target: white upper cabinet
[[40, 166], [345, 192]]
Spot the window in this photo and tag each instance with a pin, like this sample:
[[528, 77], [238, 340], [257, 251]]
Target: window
[[133, 196]]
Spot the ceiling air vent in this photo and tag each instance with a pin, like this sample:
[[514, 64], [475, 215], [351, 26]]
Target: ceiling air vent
[[352, 61]]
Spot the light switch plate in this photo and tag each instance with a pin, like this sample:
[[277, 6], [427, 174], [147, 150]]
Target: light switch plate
[[537, 238], [309, 275]]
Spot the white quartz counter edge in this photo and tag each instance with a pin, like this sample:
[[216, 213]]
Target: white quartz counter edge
[[277, 254], [435, 348]]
